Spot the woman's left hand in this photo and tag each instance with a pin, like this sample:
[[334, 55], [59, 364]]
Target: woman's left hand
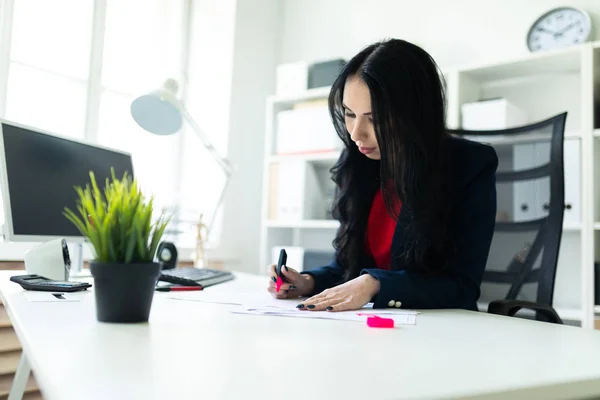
[[351, 295]]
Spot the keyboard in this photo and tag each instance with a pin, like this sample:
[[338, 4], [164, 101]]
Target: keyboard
[[195, 276]]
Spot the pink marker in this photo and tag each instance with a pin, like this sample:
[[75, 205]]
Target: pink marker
[[378, 322], [280, 264]]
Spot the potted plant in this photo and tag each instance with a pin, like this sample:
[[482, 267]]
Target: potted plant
[[118, 224]]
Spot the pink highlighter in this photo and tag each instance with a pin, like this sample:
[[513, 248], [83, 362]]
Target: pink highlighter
[[378, 322], [282, 261]]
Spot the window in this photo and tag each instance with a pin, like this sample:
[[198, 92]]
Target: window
[[52, 83], [136, 59], [49, 64], [49, 84]]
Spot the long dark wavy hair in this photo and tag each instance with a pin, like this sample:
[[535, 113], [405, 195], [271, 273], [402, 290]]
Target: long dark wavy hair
[[408, 110]]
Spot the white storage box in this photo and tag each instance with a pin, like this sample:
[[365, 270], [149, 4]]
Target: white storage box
[[291, 79], [306, 130], [492, 115]]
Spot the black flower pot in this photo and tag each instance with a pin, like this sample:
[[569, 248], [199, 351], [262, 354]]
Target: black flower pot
[[124, 291]]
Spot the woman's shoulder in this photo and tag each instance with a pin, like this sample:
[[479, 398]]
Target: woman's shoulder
[[470, 159]]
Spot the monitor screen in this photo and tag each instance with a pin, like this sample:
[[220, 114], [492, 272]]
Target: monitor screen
[[41, 172]]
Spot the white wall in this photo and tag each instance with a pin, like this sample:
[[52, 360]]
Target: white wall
[[453, 31], [255, 54]]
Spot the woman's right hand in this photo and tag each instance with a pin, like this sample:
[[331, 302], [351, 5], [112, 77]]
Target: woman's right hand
[[295, 284]]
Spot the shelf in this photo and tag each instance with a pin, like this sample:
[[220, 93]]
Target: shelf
[[305, 224], [310, 94], [597, 226], [324, 158], [596, 309], [596, 132], [529, 65]]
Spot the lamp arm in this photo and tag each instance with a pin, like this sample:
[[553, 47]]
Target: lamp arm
[[223, 162]]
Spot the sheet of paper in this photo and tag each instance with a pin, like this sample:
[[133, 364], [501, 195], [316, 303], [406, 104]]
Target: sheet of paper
[[404, 317], [50, 297], [247, 299], [257, 303]]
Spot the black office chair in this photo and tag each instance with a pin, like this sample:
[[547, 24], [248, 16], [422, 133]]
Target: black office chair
[[521, 267]]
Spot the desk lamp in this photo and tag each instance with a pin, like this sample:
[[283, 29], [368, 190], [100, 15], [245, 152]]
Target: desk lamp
[[160, 112]]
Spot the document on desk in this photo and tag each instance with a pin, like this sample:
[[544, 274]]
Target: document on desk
[[400, 317], [247, 299], [254, 303]]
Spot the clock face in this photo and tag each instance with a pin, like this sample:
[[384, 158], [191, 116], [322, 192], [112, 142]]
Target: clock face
[[559, 28]]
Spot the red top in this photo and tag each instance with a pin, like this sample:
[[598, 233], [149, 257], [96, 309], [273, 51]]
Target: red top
[[380, 232]]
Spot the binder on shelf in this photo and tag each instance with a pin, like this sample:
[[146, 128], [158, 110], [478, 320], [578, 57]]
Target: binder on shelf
[[524, 206], [272, 202], [294, 192], [531, 197]]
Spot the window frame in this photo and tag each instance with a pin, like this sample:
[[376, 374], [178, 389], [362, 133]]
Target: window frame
[[95, 88]]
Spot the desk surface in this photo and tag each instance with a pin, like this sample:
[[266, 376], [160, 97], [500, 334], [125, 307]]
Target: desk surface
[[192, 350]]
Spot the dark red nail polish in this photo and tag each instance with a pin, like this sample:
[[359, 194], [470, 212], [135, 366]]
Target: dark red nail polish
[[329, 308], [300, 306], [274, 279], [310, 306]]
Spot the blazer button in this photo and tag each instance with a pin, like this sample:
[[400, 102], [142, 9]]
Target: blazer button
[[397, 304], [391, 303]]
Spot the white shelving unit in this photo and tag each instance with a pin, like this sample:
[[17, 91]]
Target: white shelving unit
[[324, 159], [305, 224], [542, 84]]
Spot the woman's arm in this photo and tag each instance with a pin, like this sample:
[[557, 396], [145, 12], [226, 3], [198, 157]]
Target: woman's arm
[[458, 287]]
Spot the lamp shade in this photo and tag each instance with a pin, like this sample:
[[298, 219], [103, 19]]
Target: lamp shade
[[159, 112]]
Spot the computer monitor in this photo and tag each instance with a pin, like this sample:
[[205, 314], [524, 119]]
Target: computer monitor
[[39, 172]]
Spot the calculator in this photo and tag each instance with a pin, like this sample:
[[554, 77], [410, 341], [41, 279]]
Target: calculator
[[40, 283]]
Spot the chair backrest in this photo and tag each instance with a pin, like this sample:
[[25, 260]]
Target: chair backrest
[[529, 222]]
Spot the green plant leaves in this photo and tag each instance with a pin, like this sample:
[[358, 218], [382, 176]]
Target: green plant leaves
[[117, 221]]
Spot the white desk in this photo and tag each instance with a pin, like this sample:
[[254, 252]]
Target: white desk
[[192, 350]]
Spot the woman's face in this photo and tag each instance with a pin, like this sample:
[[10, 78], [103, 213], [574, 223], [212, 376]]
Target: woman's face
[[357, 114]]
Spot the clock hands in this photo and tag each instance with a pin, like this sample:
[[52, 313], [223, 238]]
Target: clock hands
[[541, 29], [565, 29], [560, 32]]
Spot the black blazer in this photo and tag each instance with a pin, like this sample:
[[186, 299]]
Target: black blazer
[[472, 223]]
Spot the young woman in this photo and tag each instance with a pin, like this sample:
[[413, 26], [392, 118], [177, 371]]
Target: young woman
[[416, 206]]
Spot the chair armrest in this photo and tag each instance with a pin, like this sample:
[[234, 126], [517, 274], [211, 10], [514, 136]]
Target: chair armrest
[[511, 307]]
